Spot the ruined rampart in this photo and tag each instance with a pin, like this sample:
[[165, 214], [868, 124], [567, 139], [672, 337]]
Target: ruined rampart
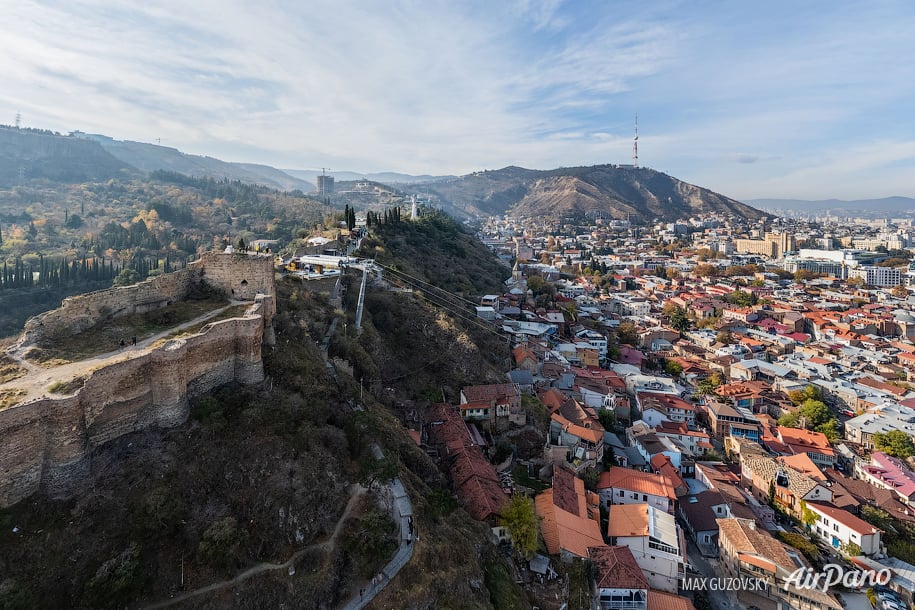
[[45, 444], [239, 276]]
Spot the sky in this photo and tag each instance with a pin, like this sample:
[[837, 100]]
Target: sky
[[776, 99]]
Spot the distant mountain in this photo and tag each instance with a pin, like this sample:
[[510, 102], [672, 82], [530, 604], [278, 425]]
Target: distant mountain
[[347, 176], [616, 191], [78, 157], [150, 157], [37, 154], [859, 207]]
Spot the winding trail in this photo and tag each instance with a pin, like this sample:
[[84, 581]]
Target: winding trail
[[402, 511], [260, 568]]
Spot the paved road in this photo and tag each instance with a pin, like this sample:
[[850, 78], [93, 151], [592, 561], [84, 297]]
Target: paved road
[[402, 512], [856, 601], [709, 568]]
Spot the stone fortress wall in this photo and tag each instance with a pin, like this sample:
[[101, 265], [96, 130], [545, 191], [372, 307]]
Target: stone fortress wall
[[45, 444], [240, 276]]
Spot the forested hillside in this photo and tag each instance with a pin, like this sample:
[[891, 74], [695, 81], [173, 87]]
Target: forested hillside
[[59, 239], [262, 472]]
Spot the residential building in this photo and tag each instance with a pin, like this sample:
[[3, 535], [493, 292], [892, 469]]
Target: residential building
[[877, 276], [814, 444], [748, 552], [625, 486], [473, 478], [504, 400], [840, 529], [618, 583], [670, 407], [726, 420], [655, 540], [891, 473], [770, 480], [569, 519]]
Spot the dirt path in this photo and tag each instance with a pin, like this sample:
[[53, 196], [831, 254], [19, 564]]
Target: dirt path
[[260, 568], [35, 383]]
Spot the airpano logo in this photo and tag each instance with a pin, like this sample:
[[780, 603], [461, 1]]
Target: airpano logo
[[833, 574]]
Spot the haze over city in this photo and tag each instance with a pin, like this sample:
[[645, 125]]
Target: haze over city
[[745, 99]]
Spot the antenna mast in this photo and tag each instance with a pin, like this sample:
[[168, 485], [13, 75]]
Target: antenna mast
[[635, 144]]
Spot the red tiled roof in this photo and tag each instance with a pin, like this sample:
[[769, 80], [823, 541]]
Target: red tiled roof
[[616, 568], [844, 517], [635, 480]]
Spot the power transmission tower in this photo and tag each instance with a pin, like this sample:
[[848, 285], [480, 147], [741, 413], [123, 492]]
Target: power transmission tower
[[18, 119]]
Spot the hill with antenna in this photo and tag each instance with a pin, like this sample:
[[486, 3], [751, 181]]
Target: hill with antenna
[[617, 191]]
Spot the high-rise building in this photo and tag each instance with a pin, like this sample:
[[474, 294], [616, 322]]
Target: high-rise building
[[877, 276], [325, 185]]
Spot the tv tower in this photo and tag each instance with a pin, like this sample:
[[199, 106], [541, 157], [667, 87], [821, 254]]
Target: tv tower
[[635, 144]]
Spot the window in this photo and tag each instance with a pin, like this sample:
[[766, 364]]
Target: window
[[835, 527], [644, 498], [622, 493]]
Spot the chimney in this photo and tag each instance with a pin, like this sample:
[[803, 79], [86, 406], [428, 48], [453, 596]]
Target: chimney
[[752, 525]]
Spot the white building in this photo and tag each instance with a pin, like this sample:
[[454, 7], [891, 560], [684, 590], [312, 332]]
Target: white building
[[838, 528], [594, 340], [655, 540], [877, 276]]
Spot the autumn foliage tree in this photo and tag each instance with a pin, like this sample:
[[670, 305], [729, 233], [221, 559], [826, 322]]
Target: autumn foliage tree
[[520, 519]]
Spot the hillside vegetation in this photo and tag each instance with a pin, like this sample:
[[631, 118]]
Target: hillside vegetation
[[261, 472], [60, 239]]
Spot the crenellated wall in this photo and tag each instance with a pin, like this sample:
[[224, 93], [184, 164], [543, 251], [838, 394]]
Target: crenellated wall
[[240, 276], [45, 444]]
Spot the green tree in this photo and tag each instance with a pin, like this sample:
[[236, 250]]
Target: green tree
[[708, 385], [808, 517], [673, 368], [126, 277], [850, 549], [679, 320], [895, 442], [378, 472], [627, 334], [725, 336], [520, 519], [830, 429], [811, 392], [741, 298], [814, 412]]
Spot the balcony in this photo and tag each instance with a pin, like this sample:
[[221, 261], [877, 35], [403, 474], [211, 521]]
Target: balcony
[[606, 604]]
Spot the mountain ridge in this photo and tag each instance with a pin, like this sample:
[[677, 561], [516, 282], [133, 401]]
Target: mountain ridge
[[620, 192]]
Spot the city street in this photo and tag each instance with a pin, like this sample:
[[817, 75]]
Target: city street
[[708, 568]]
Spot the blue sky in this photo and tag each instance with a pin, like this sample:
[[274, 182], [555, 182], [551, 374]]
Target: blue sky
[[776, 99]]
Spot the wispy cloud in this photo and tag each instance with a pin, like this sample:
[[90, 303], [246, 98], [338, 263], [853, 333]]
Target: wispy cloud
[[734, 96]]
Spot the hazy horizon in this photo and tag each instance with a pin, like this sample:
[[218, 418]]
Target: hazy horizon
[[752, 101]]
